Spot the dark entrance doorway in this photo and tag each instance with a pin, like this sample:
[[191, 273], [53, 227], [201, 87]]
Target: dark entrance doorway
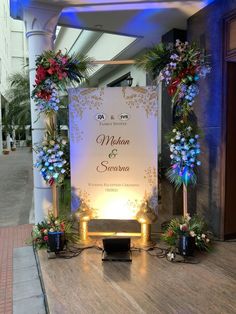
[[229, 131], [230, 161]]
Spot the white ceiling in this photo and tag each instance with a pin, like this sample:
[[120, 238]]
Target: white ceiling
[[140, 18], [146, 20]]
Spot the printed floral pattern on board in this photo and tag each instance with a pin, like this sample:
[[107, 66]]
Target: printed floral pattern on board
[[88, 98], [142, 98]]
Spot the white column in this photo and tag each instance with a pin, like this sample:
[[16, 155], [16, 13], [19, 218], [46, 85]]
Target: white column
[[14, 137], [40, 25], [0, 124], [8, 140]]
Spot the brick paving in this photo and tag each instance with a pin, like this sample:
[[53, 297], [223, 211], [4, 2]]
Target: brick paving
[[10, 238]]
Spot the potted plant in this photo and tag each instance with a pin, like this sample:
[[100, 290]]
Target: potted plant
[[52, 233], [28, 143], [5, 151], [186, 234]]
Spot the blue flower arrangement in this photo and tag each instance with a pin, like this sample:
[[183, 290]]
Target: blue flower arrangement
[[51, 160], [49, 104], [180, 66], [185, 149]]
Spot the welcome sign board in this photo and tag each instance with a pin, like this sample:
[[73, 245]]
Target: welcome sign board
[[113, 143]]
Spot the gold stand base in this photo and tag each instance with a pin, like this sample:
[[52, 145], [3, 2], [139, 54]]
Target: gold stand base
[[87, 242], [145, 240]]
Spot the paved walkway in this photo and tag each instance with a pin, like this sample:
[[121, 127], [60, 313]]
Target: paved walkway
[[15, 205], [28, 296], [16, 187], [10, 238]]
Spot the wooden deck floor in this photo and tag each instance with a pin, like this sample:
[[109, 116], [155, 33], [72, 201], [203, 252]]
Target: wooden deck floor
[[147, 285]]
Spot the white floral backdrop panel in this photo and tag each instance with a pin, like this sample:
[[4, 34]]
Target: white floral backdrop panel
[[113, 149]]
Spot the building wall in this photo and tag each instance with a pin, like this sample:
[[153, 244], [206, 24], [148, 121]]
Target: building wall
[[13, 52], [18, 46], [5, 43], [206, 28]]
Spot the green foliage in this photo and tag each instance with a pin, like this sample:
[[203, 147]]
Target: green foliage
[[188, 226], [155, 59], [65, 197], [177, 180]]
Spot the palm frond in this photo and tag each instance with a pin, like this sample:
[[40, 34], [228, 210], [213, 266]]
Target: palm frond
[[155, 59], [179, 180]]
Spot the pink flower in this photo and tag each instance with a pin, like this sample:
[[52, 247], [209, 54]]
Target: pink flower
[[183, 227], [64, 60], [45, 238]]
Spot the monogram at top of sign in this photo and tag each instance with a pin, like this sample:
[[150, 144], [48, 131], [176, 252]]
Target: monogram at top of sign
[[102, 116]]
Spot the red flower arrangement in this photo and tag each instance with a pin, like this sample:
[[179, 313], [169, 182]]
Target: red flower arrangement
[[54, 71]]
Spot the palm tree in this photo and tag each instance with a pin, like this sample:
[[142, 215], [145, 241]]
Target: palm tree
[[18, 96]]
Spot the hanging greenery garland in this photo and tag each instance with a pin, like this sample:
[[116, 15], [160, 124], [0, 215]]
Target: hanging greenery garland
[[54, 71], [180, 66]]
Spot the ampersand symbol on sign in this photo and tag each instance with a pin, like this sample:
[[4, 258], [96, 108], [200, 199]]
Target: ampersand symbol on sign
[[113, 154]]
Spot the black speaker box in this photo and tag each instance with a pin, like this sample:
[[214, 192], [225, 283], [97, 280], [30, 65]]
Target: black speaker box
[[116, 244]]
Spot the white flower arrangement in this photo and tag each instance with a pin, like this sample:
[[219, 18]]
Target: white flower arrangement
[[184, 148]]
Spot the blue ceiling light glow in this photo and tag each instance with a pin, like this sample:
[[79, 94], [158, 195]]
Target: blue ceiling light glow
[[141, 22], [13, 8], [25, 3], [119, 7], [206, 2], [72, 18], [16, 7]]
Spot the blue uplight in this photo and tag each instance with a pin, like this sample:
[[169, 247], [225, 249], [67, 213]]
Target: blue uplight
[[141, 21]]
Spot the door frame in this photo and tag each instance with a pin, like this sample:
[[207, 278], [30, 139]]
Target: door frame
[[229, 55]]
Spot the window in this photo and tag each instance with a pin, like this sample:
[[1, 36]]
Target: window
[[121, 81]]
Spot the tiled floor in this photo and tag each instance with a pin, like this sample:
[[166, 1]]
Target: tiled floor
[[148, 285], [10, 238]]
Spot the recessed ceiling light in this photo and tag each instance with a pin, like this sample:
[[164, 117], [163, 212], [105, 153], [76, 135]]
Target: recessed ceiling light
[[99, 26]]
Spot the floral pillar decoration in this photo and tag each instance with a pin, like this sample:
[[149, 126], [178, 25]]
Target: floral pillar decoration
[[54, 71], [180, 67]]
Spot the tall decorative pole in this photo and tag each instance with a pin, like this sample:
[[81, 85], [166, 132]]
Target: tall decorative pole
[[55, 200], [185, 200], [51, 132]]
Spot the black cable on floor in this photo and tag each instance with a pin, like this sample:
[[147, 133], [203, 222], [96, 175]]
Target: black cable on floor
[[70, 252], [173, 257]]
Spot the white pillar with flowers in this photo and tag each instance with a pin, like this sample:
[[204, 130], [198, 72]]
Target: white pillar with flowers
[[40, 26]]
